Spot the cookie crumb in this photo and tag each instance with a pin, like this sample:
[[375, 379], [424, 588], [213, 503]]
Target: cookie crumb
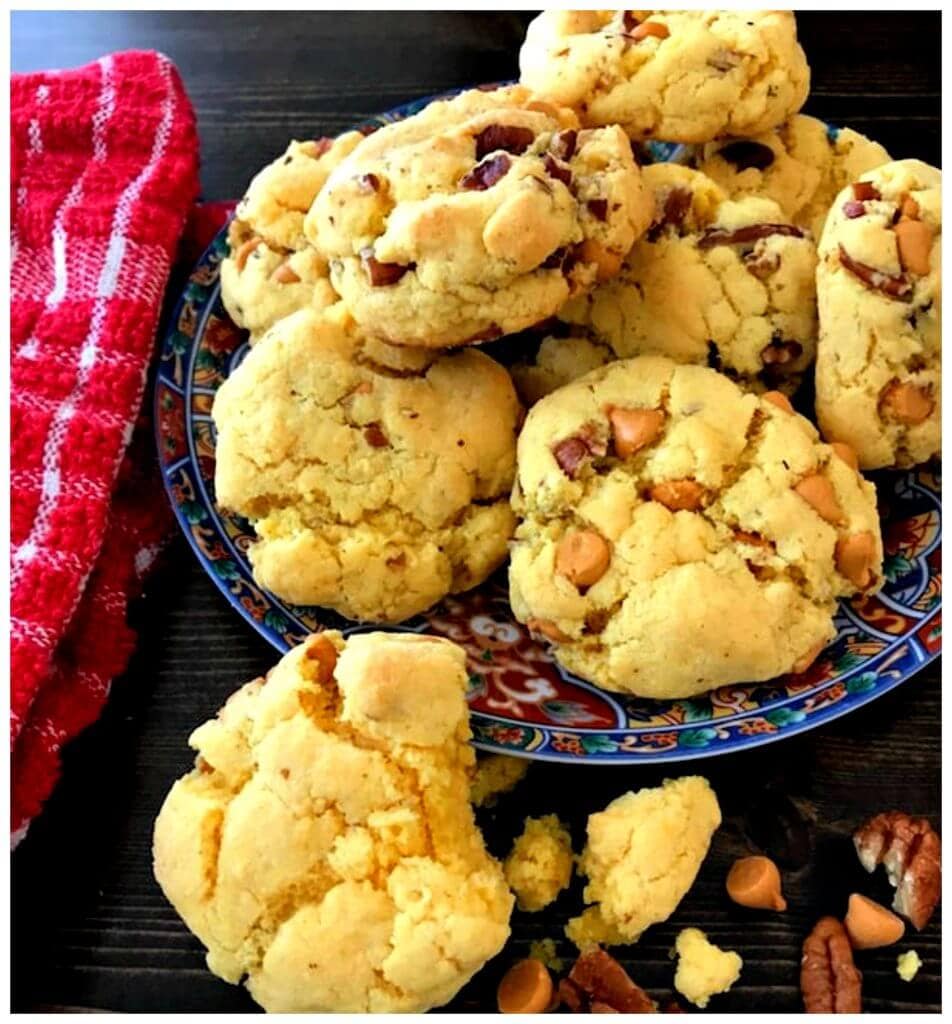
[[908, 964]]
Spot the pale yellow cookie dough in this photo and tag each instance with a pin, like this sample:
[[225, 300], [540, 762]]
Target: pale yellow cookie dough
[[477, 217], [878, 372], [377, 479], [540, 864], [802, 166], [682, 76], [557, 362], [703, 969], [323, 848], [496, 774], [728, 284], [677, 534], [643, 854]]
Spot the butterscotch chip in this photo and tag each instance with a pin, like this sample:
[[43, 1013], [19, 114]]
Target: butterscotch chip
[[856, 557], [634, 429], [869, 925], [525, 988], [905, 403], [818, 492], [755, 882], [678, 495], [583, 557]]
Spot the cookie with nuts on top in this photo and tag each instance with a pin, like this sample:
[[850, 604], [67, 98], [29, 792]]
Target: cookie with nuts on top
[[475, 218], [878, 372], [802, 165], [677, 534], [271, 269], [369, 490], [729, 284], [682, 76]]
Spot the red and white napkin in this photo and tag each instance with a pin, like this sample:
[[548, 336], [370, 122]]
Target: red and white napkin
[[104, 172]]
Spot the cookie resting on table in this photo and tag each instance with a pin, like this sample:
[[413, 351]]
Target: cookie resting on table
[[475, 218], [879, 289], [680, 76], [369, 492], [677, 534], [727, 284], [802, 166], [323, 848]]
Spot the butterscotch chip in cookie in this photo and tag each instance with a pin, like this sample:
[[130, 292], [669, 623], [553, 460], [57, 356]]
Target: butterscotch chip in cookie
[[713, 554]]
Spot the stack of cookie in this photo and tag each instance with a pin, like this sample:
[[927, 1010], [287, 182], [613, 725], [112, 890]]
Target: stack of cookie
[[673, 523]]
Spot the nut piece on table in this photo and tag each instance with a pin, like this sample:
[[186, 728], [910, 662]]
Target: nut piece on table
[[755, 882], [912, 854], [525, 988], [599, 984], [869, 925], [829, 979]]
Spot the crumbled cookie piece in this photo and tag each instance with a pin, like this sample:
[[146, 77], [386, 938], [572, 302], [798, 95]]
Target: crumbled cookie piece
[[908, 964], [324, 847], [878, 371], [683, 76], [703, 969], [643, 854], [540, 864], [546, 952], [496, 774], [557, 362], [486, 213]]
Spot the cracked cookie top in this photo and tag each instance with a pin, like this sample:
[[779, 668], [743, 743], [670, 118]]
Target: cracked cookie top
[[713, 281], [802, 166], [678, 534], [475, 218], [681, 76], [324, 848], [376, 478], [879, 289]]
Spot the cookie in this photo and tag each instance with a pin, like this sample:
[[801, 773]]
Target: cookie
[[801, 166], [678, 534], [475, 218], [271, 270], [642, 855], [323, 847], [377, 479], [729, 284], [557, 362], [681, 76], [540, 864], [878, 373]]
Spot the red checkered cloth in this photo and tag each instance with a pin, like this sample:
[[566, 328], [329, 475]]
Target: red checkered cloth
[[104, 174]]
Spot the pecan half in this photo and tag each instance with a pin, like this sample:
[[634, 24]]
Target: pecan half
[[746, 154], [598, 983], [382, 274], [572, 451], [563, 144], [751, 233], [509, 137], [484, 175], [829, 979], [912, 854], [895, 286], [557, 170]]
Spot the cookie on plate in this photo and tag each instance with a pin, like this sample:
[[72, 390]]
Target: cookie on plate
[[802, 166], [679, 534], [323, 848], [878, 374], [475, 218], [681, 76], [729, 284], [271, 270], [377, 479]]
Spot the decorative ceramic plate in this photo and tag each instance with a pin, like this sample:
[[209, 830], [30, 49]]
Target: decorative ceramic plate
[[522, 702]]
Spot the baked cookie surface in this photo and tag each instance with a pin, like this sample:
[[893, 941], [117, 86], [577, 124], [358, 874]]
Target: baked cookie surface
[[681, 76], [802, 166], [878, 374], [377, 479], [677, 534], [325, 800], [730, 284], [271, 270], [477, 217]]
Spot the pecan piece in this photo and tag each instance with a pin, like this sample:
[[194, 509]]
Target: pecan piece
[[572, 451], [762, 264], [382, 274], [780, 352], [863, 190], [912, 854], [751, 233], [745, 154], [375, 437], [673, 209], [509, 137], [563, 144], [557, 170], [724, 60], [829, 979], [896, 286], [485, 174], [368, 183], [598, 208], [598, 983]]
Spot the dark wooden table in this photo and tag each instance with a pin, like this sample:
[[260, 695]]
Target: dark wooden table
[[90, 927]]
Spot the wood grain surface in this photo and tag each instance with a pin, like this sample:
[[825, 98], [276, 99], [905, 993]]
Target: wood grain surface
[[90, 928]]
